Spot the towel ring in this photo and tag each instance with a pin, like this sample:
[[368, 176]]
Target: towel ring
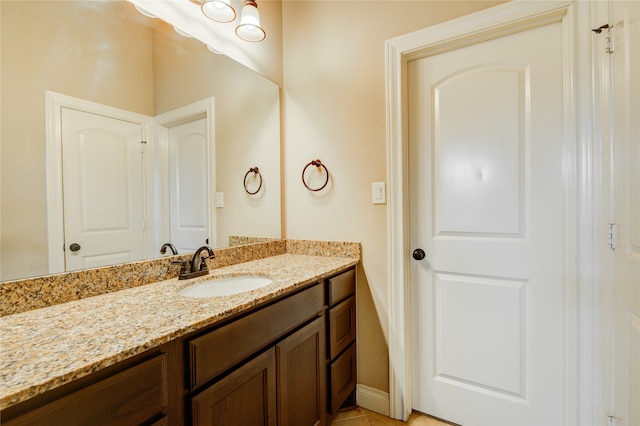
[[318, 164], [255, 171]]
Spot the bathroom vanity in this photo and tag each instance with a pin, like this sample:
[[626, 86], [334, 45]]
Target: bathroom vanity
[[280, 355]]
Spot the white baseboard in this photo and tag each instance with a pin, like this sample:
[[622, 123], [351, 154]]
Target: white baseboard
[[373, 399]]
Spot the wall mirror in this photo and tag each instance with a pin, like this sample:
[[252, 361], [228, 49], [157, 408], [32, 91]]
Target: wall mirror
[[109, 54]]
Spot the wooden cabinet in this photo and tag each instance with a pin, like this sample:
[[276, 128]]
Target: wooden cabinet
[[290, 362], [341, 341], [247, 396], [284, 384], [136, 395], [217, 351]]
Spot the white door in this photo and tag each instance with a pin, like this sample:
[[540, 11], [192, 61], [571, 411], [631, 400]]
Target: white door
[[189, 185], [102, 170], [487, 206], [624, 405]]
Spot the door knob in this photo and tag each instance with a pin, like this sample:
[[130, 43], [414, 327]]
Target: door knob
[[418, 254], [74, 247]]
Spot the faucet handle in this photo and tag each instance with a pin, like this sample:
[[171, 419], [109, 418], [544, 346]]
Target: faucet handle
[[183, 265], [203, 262]]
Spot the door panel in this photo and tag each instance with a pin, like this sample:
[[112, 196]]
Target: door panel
[[189, 185], [486, 145], [479, 164], [103, 193], [464, 328]]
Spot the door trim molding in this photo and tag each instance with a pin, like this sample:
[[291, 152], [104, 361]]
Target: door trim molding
[[579, 161], [54, 102]]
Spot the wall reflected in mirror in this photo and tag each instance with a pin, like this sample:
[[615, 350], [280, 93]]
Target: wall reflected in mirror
[[107, 53]]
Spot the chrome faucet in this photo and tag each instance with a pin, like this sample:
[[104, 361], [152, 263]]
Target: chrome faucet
[[197, 266]]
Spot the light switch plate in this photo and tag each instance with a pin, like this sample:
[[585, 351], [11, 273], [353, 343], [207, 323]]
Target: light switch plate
[[219, 199], [378, 193]]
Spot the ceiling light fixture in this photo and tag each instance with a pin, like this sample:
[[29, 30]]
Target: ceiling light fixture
[[218, 10], [214, 50], [249, 28], [182, 32], [144, 11]]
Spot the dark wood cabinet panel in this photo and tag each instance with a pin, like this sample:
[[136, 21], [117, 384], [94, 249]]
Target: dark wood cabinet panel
[[246, 397], [302, 377], [341, 286], [342, 326], [341, 341], [343, 377], [134, 396], [294, 331], [217, 351]]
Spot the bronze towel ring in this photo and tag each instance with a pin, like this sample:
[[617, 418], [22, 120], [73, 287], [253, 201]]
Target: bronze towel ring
[[318, 164], [255, 171]]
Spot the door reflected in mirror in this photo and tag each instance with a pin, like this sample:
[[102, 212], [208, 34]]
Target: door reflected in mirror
[[108, 53]]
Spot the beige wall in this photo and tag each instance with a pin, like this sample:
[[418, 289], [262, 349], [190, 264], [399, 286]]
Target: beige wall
[[334, 80], [48, 57]]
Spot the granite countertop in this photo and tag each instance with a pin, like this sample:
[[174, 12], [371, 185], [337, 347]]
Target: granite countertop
[[46, 348]]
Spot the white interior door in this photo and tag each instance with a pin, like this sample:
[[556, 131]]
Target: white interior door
[[102, 168], [487, 205], [624, 405], [189, 185]]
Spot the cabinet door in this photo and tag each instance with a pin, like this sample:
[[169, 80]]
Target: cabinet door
[[301, 377], [246, 397]]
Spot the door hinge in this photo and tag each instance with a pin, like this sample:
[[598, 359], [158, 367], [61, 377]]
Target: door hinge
[[612, 231], [608, 47]]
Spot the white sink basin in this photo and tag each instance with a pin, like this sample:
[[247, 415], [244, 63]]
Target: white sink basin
[[225, 286]]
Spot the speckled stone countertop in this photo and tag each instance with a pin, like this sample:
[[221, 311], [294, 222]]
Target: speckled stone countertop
[[45, 348]]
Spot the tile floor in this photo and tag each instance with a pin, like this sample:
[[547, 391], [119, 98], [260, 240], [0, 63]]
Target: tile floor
[[362, 417]]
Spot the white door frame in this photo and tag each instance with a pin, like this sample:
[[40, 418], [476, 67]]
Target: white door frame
[[161, 124], [581, 165], [54, 102]]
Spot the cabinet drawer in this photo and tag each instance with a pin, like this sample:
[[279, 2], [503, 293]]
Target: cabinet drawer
[[343, 378], [127, 398], [342, 326], [341, 286], [217, 351]]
